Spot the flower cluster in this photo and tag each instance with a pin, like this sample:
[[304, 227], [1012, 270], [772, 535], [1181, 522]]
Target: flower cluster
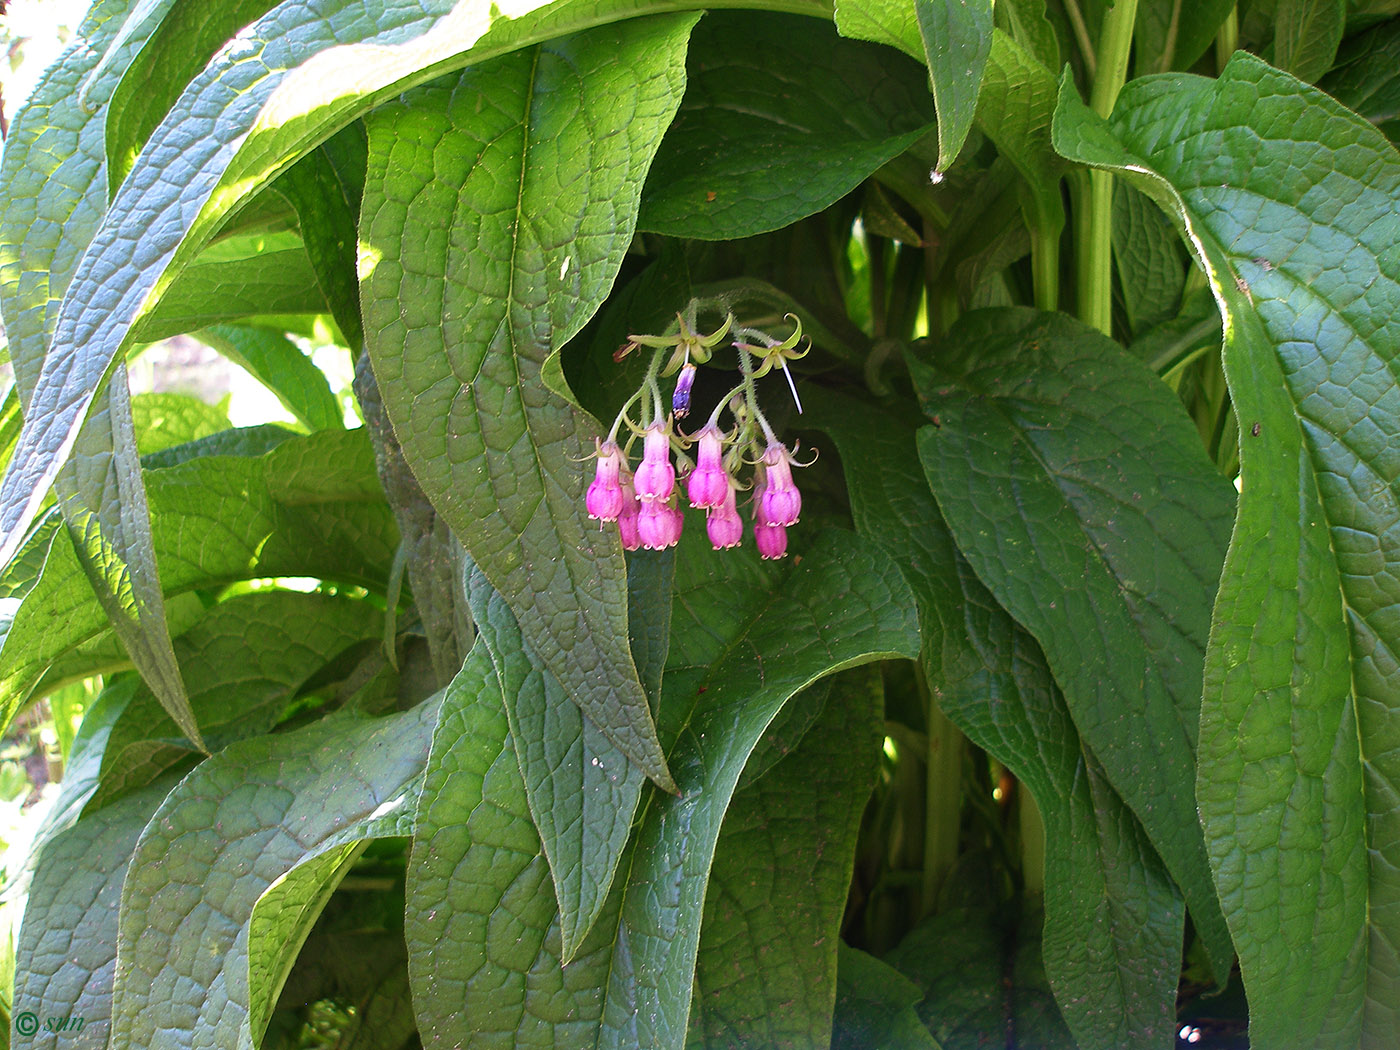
[[645, 502]]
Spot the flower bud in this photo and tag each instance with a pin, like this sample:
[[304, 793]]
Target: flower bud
[[680, 400], [627, 518], [771, 540]]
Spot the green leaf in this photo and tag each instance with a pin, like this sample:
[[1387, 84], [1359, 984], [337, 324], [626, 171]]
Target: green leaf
[[982, 981], [325, 188], [755, 148], [67, 954], [780, 878], [1148, 256], [1366, 77], [581, 789], [310, 507], [279, 364], [182, 39], [1306, 35], [745, 637], [463, 352], [52, 194], [165, 420], [1077, 489], [1113, 919], [957, 37], [1173, 34], [875, 1006], [244, 662], [1296, 770], [890, 22], [1015, 110], [237, 278], [245, 850]]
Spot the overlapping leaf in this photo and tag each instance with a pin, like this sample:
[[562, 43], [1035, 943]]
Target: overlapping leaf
[[278, 363], [533, 163], [765, 971], [280, 815], [56, 174], [1297, 764], [755, 148], [67, 954], [957, 36], [739, 651], [310, 507], [1113, 919]]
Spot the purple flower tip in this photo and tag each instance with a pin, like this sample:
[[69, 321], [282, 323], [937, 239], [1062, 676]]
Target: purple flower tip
[[680, 400]]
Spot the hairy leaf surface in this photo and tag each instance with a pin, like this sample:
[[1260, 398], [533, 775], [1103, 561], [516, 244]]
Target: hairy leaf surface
[[1298, 766], [524, 173], [1113, 919], [755, 148], [233, 831]]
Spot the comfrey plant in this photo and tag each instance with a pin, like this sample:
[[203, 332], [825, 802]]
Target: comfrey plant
[[645, 504], [1071, 719]]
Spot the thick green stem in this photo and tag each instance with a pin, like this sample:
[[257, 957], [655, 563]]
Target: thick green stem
[[942, 799], [1096, 247], [1045, 266], [1227, 38]]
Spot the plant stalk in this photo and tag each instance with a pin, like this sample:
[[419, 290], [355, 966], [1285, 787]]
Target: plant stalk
[[1095, 227], [942, 799]]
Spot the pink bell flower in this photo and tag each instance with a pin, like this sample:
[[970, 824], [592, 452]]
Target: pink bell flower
[[771, 540], [779, 502], [627, 519], [604, 499], [659, 524], [656, 477], [723, 524], [708, 484]]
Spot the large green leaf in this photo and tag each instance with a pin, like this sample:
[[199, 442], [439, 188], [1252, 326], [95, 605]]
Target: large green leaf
[[1113, 919], [163, 421], [755, 148], [1298, 765], [1149, 259], [535, 161], [243, 853], [309, 507], [980, 971], [1366, 77], [244, 661], [293, 78], [875, 1006], [581, 788], [67, 953], [1077, 489], [781, 875], [744, 640], [54, 173]]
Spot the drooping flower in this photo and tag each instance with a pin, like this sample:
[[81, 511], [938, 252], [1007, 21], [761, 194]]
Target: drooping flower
[[604, 499], [771, 540], [779, 502], [723, 524], [656, 477], [708, 484], [627, 520], [659, 524], [680, 400]]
